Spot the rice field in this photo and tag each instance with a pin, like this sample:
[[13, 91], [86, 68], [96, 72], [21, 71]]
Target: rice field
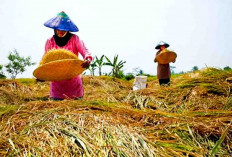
[[191, 118]]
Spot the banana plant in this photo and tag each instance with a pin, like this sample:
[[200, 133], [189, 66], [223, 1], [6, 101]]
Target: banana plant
[[100, 63], [116, 66], [92, 67]]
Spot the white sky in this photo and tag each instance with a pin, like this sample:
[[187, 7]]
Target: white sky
[[200, 31]]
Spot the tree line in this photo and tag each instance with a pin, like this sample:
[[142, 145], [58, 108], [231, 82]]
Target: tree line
[[17, 64]]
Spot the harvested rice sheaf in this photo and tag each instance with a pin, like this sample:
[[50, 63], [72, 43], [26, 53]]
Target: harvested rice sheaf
[[57, 54]]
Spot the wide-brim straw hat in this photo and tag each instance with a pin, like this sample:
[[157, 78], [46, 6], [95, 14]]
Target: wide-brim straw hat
[[162, 43], [61, 22], [166, 57], [57, 65]]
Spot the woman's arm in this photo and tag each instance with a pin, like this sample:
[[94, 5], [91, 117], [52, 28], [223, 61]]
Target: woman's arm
[[83, 50]]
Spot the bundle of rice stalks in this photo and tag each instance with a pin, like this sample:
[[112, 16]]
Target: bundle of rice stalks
[[187, 120], [56, 132], [57, 54], [58, 64], [215, 74], [105, 88]]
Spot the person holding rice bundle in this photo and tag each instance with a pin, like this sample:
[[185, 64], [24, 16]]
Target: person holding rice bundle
[[63, 39], [163, 68]]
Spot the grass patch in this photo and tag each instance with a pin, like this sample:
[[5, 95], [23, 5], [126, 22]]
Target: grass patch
[[228, 104], [26, 81], [175, 146], [8, 110], [214, 73], [211, 88]]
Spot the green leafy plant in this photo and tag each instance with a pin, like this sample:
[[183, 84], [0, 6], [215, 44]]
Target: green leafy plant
[[129, 76], [2, 76], [219, 142], [92, 67], [17, 64], [99, 63], [116, 66]]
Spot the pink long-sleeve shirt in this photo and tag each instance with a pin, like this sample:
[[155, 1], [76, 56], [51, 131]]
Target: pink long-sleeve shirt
[[72, 88]]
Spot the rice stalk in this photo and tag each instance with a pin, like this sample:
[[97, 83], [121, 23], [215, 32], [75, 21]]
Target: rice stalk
[[218, 143]]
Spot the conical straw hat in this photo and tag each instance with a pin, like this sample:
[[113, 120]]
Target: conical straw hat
[[162, 43], [61, 22], [166, 57], [59, 64]]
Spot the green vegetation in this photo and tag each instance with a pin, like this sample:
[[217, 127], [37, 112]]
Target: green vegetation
[[17, 64], [195, 68], [116, 66], [99, 63], [92, 67], [2, 76], [227, 68]]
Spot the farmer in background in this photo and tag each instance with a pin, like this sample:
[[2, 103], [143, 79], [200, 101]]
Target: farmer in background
[[163, 68], [62, 38]]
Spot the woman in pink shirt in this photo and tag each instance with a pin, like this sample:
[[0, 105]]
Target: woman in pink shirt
[[62, 38]]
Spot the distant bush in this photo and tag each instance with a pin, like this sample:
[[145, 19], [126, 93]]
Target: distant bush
[[129, 77], [195, 68], [227, 68], [2, 76], [148, 75], [181, 72]]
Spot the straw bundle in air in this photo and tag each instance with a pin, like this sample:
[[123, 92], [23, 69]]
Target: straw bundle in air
[[57, 54], [57, 65], [166, 57]]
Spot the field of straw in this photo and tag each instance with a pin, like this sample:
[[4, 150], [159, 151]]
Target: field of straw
[[191, 118]]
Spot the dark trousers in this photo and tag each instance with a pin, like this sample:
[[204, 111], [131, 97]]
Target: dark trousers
[[164, 81]]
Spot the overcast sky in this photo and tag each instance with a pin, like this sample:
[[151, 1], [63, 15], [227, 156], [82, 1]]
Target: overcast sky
[[199, 31]]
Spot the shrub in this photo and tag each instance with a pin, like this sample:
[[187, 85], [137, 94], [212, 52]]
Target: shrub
[[17, 64]]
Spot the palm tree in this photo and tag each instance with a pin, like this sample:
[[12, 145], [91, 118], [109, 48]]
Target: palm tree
[[99, 63], [116, 66]]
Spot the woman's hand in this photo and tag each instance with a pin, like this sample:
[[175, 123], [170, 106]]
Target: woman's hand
[[86, 64]]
